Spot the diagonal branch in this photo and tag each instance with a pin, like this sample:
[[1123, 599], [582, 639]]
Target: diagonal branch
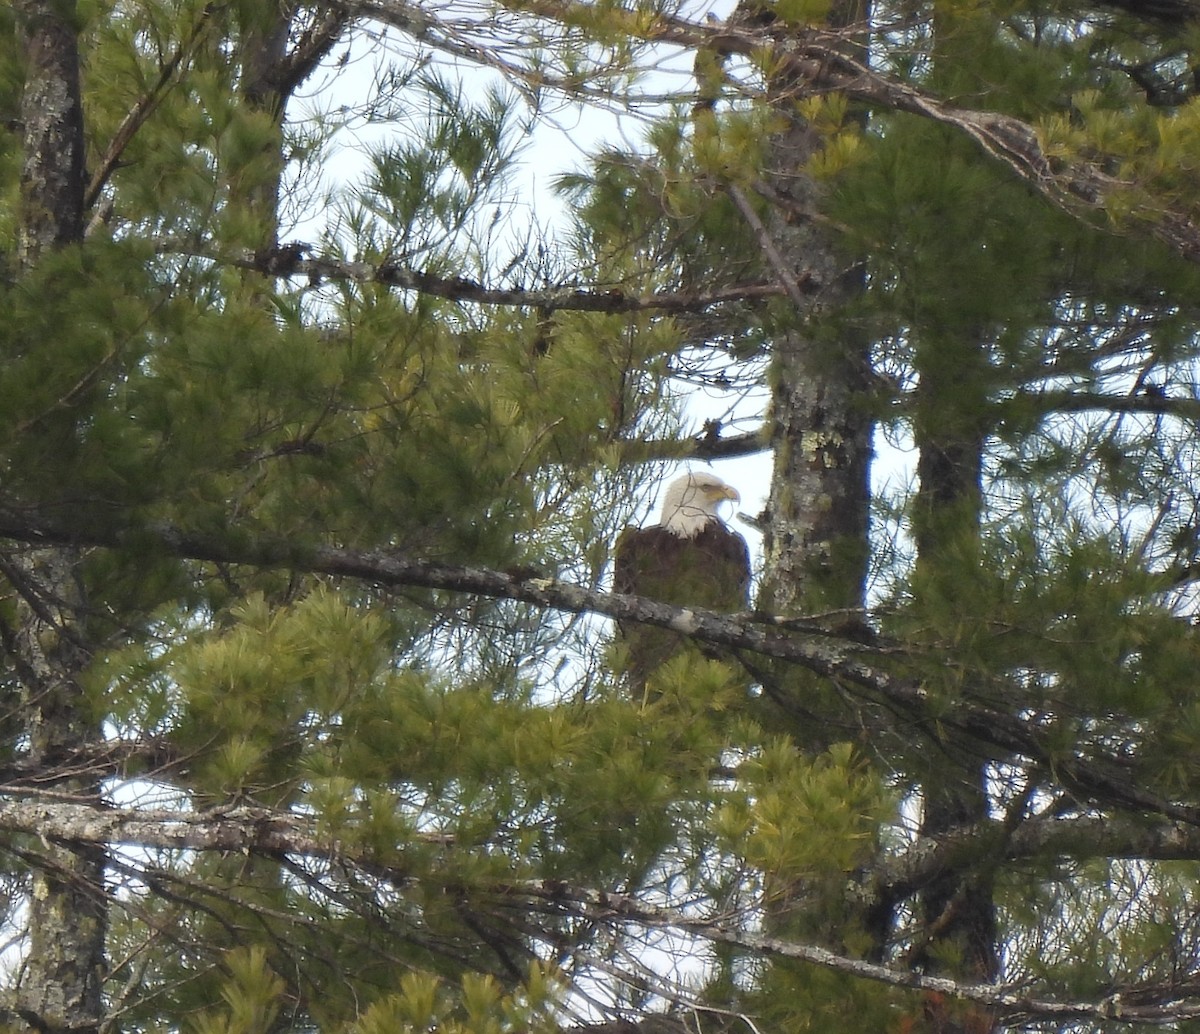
[[1013, 1003], [143, 108], [856, 666], [309, 50]]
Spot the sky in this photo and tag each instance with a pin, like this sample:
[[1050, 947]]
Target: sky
[[561, 136]]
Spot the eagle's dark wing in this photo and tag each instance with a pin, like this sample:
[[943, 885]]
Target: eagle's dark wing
[[711, 570]]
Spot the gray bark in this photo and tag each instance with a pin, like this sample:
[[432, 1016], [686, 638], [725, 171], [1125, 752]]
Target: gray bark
[[52, 114], [61, 981], [817, 515]]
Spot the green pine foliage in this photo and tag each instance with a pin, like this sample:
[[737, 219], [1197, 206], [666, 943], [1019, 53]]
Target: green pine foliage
[[411, 808]]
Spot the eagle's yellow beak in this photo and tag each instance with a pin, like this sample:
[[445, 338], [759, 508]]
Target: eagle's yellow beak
[[727, 492]]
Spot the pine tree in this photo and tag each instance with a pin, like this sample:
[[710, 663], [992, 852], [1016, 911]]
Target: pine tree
[[312, 719]]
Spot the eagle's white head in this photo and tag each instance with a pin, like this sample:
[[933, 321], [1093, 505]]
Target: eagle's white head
[[691, 503]]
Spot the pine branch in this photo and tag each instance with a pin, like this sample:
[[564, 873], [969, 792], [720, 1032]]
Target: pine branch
[[1151, 401], [144, 107], [1080, 837], [815, 61], [899, 873], [1078, 186], [291, 260], [1153, 1005], [270, 833], [817, 58], [855, 665]]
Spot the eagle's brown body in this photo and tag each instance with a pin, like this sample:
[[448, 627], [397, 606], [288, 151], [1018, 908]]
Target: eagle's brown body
[[704, 565]]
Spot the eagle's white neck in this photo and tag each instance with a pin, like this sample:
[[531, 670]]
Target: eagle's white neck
[[687, 510]]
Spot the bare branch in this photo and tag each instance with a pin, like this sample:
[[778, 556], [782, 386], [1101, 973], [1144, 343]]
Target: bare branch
[[1154, 402], [1013, 1002], [232, 829], [289, 261], [1078, 837], [267, 832], [761, 234], [708, 445]]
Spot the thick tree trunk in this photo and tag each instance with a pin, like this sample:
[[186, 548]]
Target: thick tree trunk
[[950, 427], [52, 114], [262, 51], [817, 515], [271, 70], [816, 533], [61, 982], [60, 987]]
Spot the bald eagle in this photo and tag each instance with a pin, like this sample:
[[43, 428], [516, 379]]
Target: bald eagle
[[689, 558]]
